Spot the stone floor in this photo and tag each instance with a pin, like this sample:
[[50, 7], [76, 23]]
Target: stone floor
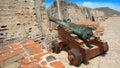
[[112, 58]]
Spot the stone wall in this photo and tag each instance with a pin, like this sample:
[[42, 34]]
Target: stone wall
[[21, 20], [74, 12]]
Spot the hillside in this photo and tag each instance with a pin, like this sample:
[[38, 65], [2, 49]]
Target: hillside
[[108, 10]]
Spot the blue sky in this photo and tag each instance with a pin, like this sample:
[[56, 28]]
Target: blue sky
[[114, 4]]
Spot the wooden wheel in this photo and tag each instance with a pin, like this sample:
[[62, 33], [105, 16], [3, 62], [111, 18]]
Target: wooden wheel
[[74, 57], [56, 46]]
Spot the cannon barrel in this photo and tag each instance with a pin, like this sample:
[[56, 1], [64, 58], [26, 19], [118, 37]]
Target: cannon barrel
[[83, 32]]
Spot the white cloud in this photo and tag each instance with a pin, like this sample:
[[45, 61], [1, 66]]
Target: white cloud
[[97, 4]]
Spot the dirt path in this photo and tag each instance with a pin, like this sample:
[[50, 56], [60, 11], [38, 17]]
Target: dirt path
[[112, 58]]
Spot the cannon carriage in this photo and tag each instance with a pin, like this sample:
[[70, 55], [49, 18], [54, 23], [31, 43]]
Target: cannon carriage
[[80, 40]]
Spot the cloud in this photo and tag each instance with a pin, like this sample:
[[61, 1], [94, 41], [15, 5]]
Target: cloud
[[100, 4]]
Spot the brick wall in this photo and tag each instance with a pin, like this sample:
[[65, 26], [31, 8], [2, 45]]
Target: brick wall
[[21, 20]]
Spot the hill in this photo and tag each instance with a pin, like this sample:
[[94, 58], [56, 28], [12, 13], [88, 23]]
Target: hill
[[108, 10]]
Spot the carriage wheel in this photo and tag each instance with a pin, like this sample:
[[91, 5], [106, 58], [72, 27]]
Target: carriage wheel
[[74, 57]]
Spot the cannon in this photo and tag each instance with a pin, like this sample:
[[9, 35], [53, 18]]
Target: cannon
[[80, 41], [82, 31]]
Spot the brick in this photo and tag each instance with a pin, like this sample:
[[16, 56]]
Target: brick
[[34, 51], [57, 64], [44, 63], [19, 13], [28, 43], [31, 44], [12, 59], [36, 46], [34, 64], [9, 55], [1, 59], [33, 60], [25, 66], [4, 49], [44, 67], [15, 46], [19, 51], [13, 65], [26, 61], [40, 55]]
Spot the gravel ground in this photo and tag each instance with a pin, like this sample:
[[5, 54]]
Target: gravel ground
[[112, 58]]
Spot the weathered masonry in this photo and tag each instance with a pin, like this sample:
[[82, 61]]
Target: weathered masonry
[[74, 12], [21, 20]]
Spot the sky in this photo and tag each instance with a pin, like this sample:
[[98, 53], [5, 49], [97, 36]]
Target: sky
[[114, 4]]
